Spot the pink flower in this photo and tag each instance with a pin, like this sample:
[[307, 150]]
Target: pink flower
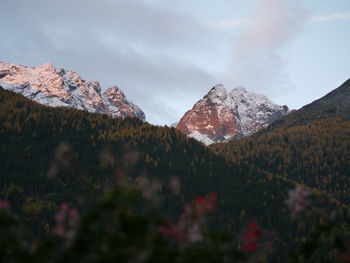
[[4, 205], [194, 234], [59, 217], [73, 213], [251, 237], [175, 185], [250, 247], [60, 230], [205, 204], [297, 199], [173, 231], [64, 206], [200, 200], [67, 220], [187, 209]]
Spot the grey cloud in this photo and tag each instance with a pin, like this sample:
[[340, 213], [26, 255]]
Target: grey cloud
[[331, 17], [147, 81], [257, 62], [127, 43], [130, 20]]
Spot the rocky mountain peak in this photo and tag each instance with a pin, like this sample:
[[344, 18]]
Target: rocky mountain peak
[[55, 86], [46, 65], [119, 106], [221, 116], [239, 90], [217, 93], [114, 92]]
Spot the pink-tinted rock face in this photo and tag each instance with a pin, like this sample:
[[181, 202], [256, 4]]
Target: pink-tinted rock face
[[119, 106], [43, 78], [220, 116], [54, 86], [216, 122]]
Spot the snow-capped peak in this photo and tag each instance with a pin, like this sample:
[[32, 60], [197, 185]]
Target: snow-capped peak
[[220, 116], [55, 86]]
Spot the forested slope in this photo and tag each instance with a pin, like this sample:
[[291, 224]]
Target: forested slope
[[310, 146], [54, 155]]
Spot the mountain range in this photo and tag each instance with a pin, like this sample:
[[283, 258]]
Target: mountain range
[[55, 155], [58, 87], [219, 116]]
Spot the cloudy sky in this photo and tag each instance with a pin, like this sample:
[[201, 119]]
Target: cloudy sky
[[167, 54]]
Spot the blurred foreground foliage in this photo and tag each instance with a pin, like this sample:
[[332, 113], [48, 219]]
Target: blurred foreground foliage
[[126, 226], [123, 227]]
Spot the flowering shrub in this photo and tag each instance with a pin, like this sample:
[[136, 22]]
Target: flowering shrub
[[114, 231], [126, 227], [188, 228]]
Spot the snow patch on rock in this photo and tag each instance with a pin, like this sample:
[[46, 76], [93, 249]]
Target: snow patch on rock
[[201, 137]]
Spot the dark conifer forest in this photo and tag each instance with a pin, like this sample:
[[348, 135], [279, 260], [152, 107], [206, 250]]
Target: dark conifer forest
[[50, 156]]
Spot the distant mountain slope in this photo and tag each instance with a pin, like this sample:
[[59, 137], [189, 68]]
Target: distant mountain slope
[[54, 86], [334, 104], [315, 154], [221, 116], [54, 155], [310, 146]]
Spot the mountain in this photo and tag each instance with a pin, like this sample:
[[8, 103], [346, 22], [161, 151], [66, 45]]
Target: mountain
[[50, 156], [55, 86], [334, 104], [221, 116], [310, 146]]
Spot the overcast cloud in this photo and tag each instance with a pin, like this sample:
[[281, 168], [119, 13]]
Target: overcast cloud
[[258, 48], [164, 54], [139, 47]]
